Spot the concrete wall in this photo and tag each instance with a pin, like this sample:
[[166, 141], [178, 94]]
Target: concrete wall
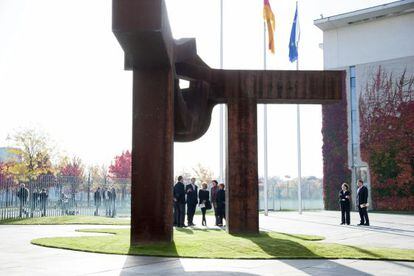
[[372, 41]]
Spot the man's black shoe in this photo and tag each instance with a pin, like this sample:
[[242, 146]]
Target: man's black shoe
[[366, 224], [360, 224]]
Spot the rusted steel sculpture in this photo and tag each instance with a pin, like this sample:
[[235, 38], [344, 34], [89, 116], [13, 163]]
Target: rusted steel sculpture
[[164, 113]]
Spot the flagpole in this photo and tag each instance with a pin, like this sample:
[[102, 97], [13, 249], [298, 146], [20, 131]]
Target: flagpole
[[265, 188], [298, 138], [221, 134]]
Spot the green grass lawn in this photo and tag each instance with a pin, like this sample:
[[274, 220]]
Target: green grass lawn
[[68, 220], [214, 243]]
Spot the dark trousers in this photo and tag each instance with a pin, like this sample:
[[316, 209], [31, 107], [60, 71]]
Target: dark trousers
[[97, 210], [190, 212], [179, 213], [215, 212], [346, 213], [43, 208], [363, 214], [203, 212], [221, 212], [113, 211]]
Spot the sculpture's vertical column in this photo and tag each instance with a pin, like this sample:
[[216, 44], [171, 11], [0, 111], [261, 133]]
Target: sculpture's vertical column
[[242, 184], [152, 156]]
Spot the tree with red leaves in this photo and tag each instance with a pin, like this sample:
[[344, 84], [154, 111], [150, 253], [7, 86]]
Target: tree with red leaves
[[72, 172], [72, 167], [120, 171], [122, 166], [387, 139]]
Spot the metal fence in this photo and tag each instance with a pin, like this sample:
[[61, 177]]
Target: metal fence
[[67, 195], [283, 194], [64, 195]]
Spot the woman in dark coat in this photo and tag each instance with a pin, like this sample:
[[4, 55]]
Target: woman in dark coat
[[203, 200], [344, 199], [221, 204]]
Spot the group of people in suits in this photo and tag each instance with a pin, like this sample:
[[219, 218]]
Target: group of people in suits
[[107, 196], [191, 195], [361, 201], [38, 200]]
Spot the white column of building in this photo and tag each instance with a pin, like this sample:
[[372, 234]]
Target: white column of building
[[222, 123]]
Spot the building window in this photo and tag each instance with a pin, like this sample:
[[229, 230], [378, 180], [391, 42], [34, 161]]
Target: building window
[[354, 116]]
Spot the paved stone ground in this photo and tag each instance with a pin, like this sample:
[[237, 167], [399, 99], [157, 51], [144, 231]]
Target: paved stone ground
[[19, 257], [386, 230]]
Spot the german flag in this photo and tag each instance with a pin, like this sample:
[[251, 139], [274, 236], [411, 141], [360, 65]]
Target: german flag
[[270, 22]]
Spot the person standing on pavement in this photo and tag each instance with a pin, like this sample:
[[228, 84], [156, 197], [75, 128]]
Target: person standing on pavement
[[221, 204], [179, 202], [362, 202], [345, 203], [97, 197], [43, 202], [214, 190], [204, 201], [192, 192], [23, 195]]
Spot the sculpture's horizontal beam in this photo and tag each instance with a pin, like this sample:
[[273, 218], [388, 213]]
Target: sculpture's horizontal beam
[[279, 86], [316, 87]]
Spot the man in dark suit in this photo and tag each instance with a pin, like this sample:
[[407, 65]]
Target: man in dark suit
[[362, 202], [214, 190], [23, 195], [179, 202], [192, 192], [43, 201], [98, 199]]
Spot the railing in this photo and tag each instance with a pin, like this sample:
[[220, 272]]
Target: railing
[[67, 195], [64, 195], [284, 196]]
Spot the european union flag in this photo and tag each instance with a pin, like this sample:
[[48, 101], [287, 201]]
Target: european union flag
[[294, 37]]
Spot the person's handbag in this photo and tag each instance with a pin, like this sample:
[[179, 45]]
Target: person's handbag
[[208, 205]]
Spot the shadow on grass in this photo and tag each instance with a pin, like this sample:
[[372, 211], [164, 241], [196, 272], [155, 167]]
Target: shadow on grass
[[303, 238], [185, 230], [192, 230], [364, 251], [279, 248], [159, 249]]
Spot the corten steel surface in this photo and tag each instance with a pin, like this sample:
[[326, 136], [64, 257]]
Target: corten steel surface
[[242, 189], [152, 156], [163, 113]]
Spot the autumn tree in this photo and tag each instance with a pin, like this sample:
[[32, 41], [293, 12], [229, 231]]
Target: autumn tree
[[387, 138], [121, 167], [120, 171], [98, 176], [34, 150], [71, 171], [71, 167], [204, 174]]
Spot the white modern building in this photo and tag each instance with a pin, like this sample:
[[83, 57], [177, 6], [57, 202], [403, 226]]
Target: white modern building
[[8, 154], [359, 42]]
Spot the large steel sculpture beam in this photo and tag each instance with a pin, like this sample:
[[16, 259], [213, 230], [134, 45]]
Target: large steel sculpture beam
[[142, 29], [164, 113]]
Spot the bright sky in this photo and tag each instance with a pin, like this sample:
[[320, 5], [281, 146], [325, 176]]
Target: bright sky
[[61, 70]]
